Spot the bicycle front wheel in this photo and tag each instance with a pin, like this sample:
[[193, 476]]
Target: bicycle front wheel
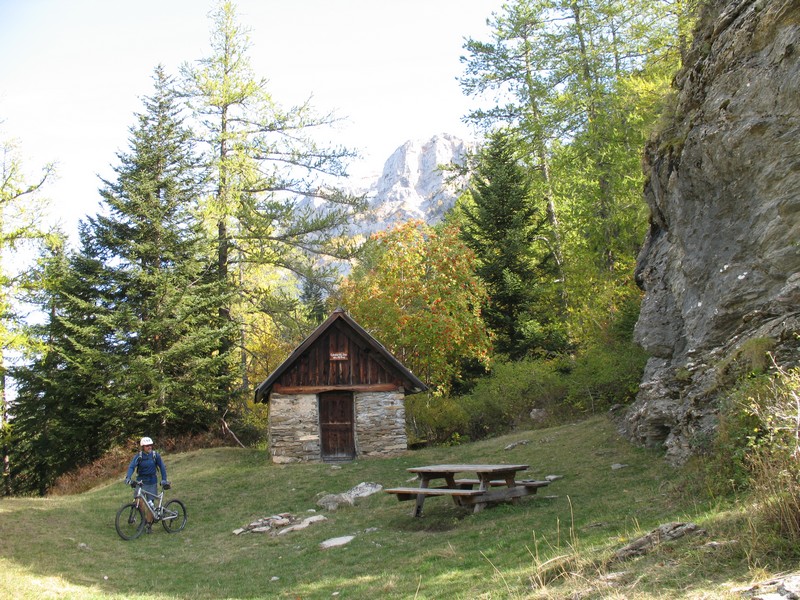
[[129, 522], [174, 516]]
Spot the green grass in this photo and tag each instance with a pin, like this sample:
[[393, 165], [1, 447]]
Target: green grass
[[551, 545]]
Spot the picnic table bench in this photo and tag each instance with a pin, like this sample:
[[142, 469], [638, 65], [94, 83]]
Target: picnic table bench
[[463, 491]]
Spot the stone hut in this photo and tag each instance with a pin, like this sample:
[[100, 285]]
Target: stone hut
[[338, 396]]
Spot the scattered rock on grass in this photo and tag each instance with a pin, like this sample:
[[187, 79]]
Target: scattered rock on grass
[[303, 524], [513, 445], [335, 542], [538, 415], [278, 524], [786, 587], [662, 533], [348, 498]]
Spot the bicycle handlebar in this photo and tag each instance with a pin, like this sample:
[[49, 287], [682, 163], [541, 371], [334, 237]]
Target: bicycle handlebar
[[165, 484]]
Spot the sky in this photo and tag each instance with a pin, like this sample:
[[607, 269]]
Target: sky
[[73, 72]]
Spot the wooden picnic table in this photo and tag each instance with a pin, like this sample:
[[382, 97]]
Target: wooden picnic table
[[463, 491]]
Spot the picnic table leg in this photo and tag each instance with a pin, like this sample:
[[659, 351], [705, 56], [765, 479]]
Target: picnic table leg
[[484, 486], [421, 497], [450, 480], [511, 482]]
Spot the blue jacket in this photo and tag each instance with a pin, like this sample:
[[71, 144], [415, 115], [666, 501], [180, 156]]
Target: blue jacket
[[145, 464]]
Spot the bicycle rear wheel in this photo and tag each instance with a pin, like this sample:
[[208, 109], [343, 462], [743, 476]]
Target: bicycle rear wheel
[[173, 518], [129, 522]]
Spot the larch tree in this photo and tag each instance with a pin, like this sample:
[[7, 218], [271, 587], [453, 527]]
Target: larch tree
[[272, 195], [22, 207], [580, 82]]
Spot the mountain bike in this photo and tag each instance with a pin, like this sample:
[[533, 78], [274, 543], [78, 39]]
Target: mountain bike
[[130, 521]]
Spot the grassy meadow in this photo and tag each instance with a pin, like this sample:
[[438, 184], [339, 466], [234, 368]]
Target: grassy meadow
[[556, 544]]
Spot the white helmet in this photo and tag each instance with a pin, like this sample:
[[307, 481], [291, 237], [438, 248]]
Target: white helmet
[[146, 441]]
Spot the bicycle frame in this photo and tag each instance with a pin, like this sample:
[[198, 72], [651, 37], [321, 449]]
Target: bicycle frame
[[131, 517], [142, 495]]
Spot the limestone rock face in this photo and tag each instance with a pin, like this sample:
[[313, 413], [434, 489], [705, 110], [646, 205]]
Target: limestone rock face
[[721, 263], [411, 185]]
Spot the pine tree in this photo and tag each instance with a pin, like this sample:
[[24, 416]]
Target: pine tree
[[130, 343], [61, 416], [164, 297], [503, 226]]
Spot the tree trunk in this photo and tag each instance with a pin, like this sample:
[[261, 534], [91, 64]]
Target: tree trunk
[[604, 199], [3, 430]]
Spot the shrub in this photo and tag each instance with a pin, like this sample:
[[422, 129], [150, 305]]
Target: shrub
[[434, 419], [114, 463], [758, 446], [497, 404], [503, 400], [249, 423], [739, 433], [605, 375]]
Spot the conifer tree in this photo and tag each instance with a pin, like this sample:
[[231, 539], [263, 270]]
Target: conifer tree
[[503, 226], [163, 295], [274, 197], [61, 416], [131, 339]]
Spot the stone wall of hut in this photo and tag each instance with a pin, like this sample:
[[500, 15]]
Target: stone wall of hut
[[380, 423], [294, 428], [294, 432]]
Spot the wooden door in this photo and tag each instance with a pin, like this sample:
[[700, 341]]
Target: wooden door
[[336, 424]]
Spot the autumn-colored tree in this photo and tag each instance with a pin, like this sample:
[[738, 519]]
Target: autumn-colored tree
[[417, 293], [21, 210]]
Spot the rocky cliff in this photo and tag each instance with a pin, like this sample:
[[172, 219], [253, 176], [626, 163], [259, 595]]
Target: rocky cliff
[[721, 263]]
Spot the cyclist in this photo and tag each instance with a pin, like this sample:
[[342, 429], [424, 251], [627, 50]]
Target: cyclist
[[146, 463]]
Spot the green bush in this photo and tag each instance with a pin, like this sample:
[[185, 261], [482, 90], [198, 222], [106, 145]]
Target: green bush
[[433, 419], [604, 376], [249, 423], [503, 400], [739, 432]]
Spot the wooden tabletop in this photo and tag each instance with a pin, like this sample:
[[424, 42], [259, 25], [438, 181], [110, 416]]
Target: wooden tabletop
[[461, 468]]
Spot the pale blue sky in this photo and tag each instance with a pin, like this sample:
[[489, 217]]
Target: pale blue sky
[[72, 72]]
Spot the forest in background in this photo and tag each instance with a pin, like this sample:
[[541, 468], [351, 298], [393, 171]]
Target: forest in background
[[209, 263]]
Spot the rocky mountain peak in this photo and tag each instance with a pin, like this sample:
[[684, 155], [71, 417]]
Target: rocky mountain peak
[[412, 184]]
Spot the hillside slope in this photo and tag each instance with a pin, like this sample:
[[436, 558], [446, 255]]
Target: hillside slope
[[555, 544]]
